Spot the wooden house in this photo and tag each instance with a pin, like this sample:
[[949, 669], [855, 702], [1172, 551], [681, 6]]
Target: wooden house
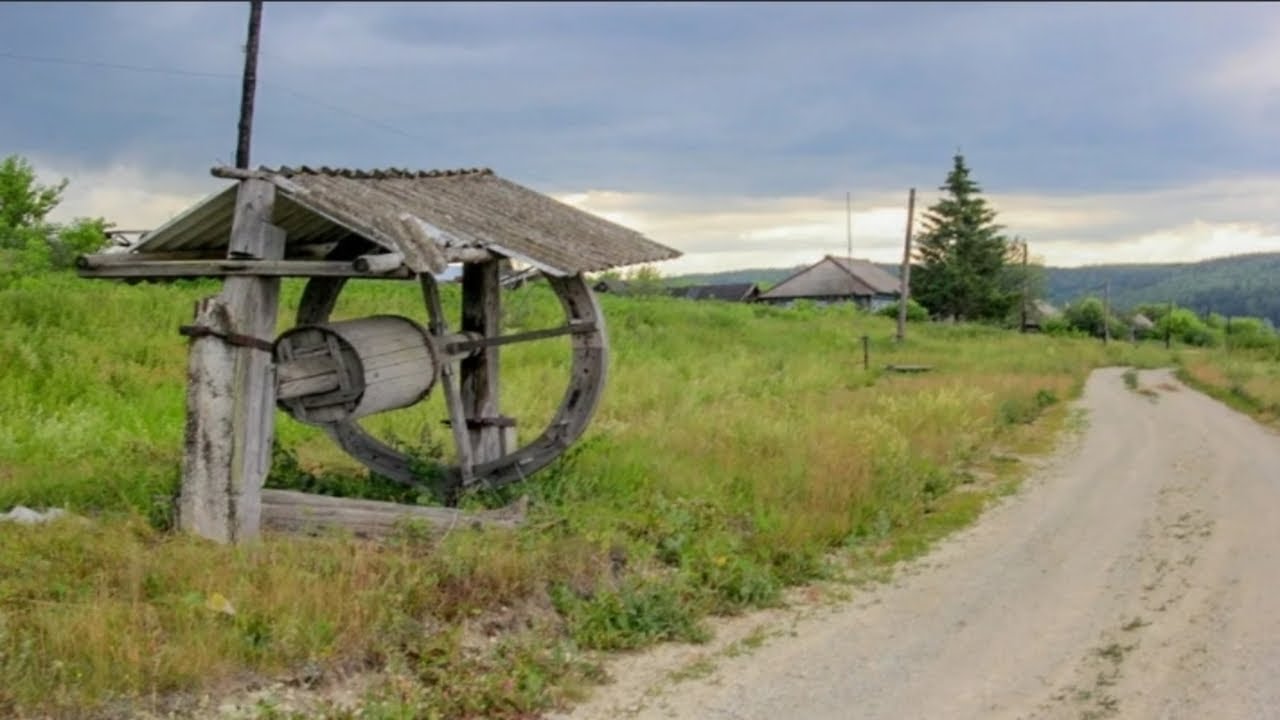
[[836, 279], [1039, 311], [730, 292]]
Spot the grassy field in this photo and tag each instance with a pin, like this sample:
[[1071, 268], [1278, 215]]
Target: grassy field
[[737, 451], [1248, 381]]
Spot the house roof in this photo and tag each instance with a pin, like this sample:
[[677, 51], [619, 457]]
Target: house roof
[[1045, 309], [733, 292], [835, 277], [416, 213], [870, 274]]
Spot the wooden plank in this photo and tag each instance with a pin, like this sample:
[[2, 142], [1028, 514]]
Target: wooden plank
[[231, 391], [93, 266], [908, 368], [306, 376], [448, 383], [481, 314], [290, 511]]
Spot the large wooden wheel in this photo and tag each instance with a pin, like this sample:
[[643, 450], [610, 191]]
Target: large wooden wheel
[[470, 379]]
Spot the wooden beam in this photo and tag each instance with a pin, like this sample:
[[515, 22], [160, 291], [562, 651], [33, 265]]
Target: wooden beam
[[468, 255], [231, 388], [385, 262], [87, 262], [286, 510], [448, 384], [481, 314], [93, 266]]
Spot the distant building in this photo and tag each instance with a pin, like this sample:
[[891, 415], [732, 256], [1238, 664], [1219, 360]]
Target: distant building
[[731, 292], [1038, 312], [834, 279], [610, 285], [1141, 325]]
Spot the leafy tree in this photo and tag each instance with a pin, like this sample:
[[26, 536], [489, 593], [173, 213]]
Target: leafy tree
[[29, 242], [1183, 325], [646, 280], [961, 256], [1087, 316]]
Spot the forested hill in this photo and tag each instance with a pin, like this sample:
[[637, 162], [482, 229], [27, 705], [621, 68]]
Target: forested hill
[[1237, 285]]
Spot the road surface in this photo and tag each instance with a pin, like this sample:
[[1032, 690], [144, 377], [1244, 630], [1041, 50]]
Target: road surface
[[1137, 575]]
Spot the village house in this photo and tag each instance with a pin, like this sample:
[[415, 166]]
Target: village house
[[729, 292], [835, 279]]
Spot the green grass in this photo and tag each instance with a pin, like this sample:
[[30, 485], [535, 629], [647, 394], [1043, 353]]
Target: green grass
[[1247, 381], [737, 451]]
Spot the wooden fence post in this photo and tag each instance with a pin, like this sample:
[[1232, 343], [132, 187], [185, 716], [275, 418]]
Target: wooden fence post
[[231, 384], [866, 352]]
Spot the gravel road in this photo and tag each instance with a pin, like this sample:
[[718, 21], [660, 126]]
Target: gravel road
[[1137, 575]]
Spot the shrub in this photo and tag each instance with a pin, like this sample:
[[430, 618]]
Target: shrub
[[915, 311]]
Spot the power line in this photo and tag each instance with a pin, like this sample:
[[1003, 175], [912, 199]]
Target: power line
[[114, 66], [222, 76]]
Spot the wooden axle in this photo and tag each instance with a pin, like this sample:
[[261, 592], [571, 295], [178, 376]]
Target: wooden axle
[[115, 265]]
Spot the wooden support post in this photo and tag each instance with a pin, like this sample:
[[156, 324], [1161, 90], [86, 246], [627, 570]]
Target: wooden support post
[[866, 352], [481, 313], [231, 386], [904, 289]]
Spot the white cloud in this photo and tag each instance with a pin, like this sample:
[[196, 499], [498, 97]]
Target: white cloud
[[125, 193], [1214, 219], [1223, 217]]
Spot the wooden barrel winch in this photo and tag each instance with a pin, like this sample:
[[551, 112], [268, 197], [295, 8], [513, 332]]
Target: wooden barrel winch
[[335, 372]]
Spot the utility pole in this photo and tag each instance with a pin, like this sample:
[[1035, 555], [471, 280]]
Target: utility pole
[[1026, 286], [1106, 313], [249, 85], [848, 223], [904, 277]]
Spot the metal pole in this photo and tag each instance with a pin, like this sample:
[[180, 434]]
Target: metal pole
[[904, 288], [249, 85]]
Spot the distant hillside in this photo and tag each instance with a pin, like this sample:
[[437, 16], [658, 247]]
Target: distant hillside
[[1237, 285]]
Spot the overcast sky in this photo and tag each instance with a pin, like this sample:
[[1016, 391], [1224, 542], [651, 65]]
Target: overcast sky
[[1101, 132]]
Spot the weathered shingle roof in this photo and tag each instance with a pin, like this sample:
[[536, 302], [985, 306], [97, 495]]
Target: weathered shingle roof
[[414, 213], [835, 277], [733, 292], [869, 274]]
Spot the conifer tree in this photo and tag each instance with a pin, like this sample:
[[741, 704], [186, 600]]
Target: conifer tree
[[961, 256]]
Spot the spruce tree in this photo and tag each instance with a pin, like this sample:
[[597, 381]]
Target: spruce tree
[[961, 255]]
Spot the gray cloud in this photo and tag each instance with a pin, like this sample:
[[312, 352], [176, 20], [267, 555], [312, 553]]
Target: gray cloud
[[704, 103]]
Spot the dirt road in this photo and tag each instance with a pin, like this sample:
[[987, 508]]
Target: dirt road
[[1136, 576]]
